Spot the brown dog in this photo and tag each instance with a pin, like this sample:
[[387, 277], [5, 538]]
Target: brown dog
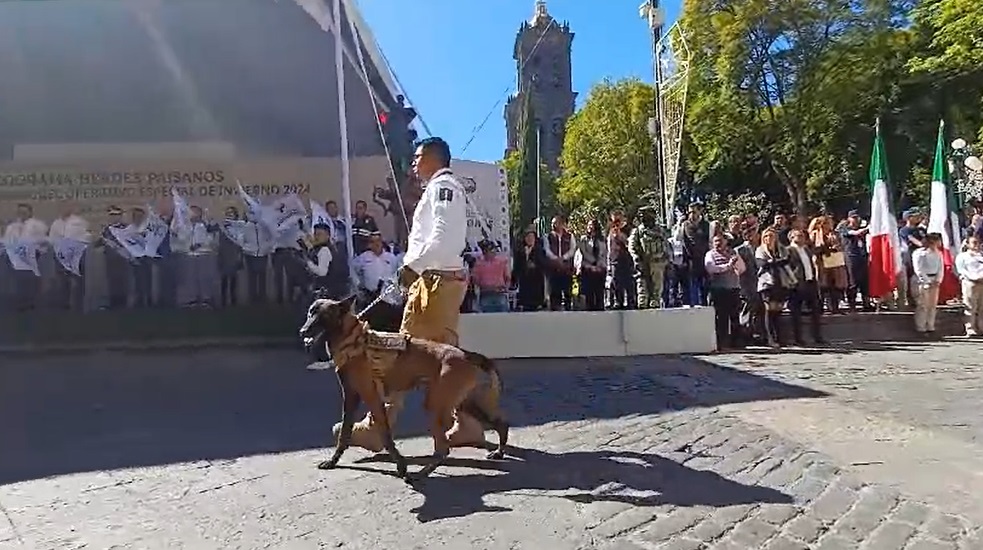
[[373, 364]]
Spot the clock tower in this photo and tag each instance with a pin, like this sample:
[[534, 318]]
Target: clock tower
[[542, 57]]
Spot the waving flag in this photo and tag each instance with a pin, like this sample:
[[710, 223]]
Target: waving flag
[[23, 255], [69, 253], [320, 216], [943, 219], [884, 245], [182, 212]]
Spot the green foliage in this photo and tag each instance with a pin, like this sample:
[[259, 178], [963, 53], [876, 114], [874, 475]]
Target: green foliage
[[608, 156], [783, 96], [782, 101]]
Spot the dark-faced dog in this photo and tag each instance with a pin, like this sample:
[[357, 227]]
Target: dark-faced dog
[[368, 370]]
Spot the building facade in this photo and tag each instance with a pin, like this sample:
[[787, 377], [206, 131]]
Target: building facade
[[543, 65]]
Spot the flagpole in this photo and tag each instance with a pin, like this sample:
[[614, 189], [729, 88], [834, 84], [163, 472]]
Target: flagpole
[[346, 189], [539, 184]]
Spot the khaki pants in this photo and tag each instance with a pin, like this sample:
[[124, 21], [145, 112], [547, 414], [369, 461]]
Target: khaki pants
[[973, 302], [650, 286], [926, 305], [433, 308]]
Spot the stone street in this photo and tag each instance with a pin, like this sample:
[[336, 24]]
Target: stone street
[[870, 448]]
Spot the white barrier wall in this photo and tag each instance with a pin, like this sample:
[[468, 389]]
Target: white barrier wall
[[589, 334]]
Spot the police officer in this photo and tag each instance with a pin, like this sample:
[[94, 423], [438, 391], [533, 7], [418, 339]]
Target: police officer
[[117, 263], [434, 272], [374, 270], [649, 248]]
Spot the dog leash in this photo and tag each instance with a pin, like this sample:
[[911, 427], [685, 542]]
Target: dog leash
[[386, 291]]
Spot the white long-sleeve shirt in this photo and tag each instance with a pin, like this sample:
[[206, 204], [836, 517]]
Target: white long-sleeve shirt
[[31, 229], [72, 227], [928, 266], [194, 240], [969, 265], [370, 268], [440, 226], [324, 257]]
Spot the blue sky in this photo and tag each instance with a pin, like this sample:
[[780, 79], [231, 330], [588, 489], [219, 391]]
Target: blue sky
[[454, 57]]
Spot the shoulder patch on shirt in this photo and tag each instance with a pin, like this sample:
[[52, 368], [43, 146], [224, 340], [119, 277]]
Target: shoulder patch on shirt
[[445, 194]]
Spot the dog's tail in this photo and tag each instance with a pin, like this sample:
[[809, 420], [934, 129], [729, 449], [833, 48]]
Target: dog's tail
[[488, 366]]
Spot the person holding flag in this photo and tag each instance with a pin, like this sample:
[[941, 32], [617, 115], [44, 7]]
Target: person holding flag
[[943, 219]]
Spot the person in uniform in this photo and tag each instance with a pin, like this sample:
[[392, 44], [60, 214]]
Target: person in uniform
[[374, 270], [434, 273], [117, 264], [649, 249]]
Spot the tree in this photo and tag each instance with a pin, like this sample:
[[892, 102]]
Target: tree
[[775, 86], [608, 159]]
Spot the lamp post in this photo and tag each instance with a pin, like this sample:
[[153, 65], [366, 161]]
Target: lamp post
[[966, 169], [653, 14]]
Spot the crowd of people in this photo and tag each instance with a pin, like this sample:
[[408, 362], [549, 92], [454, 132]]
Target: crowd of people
[[764, 277], [197, 264], [758, 275]]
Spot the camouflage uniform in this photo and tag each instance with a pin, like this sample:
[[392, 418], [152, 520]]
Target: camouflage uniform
[[649, 248]]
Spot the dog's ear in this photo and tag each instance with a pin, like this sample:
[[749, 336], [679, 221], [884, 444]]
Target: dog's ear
[[347, 304]]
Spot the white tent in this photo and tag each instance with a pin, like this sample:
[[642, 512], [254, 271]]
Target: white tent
[[213, 79]]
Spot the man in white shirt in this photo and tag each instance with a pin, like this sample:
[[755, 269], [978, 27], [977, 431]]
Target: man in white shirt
[[198, 271], [433, 270], [929, 269], [26, 227], [288, 279], [69, 288], [374, 270]]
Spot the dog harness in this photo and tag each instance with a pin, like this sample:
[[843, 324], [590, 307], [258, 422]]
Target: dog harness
[[380, 349]]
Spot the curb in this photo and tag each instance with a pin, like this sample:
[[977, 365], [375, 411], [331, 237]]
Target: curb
[[173, 345]]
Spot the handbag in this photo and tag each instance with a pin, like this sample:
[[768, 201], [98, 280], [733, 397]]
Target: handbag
[[834, 259]]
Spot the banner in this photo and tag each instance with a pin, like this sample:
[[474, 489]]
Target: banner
[[23, 255], [320, 216], [69, 253], [182, 212], [284, 214], [155, 232], [131, 240]]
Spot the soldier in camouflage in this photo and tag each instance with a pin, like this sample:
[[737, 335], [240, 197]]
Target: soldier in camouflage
[[649, 248]]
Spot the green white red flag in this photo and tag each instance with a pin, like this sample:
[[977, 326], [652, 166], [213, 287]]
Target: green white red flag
[[943, 218], [884, 244]]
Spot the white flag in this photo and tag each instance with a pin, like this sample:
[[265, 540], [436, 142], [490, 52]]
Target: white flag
[[182, 212], [320, 216], [284, 213], [132, 241], [155, 231], [254, 208], [23, 255], [69, 253]]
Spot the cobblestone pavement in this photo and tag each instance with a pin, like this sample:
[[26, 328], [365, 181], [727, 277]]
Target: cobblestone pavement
[[216, 450]]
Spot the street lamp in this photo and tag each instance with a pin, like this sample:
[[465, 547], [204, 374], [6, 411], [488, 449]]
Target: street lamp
[[966, 169]]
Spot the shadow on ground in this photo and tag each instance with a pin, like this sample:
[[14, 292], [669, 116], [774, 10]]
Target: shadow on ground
[[639, 479], [75, 413]]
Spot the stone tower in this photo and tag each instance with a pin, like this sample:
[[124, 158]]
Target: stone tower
[[542, 59]]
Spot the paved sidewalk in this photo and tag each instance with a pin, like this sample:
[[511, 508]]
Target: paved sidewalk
[[612, 455]]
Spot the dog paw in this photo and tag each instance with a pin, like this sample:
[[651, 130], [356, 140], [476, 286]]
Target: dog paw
[[327, 464], [497, 454]]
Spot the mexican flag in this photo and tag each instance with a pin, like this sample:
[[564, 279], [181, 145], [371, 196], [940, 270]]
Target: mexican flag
[[884, 244], [943, 218]]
